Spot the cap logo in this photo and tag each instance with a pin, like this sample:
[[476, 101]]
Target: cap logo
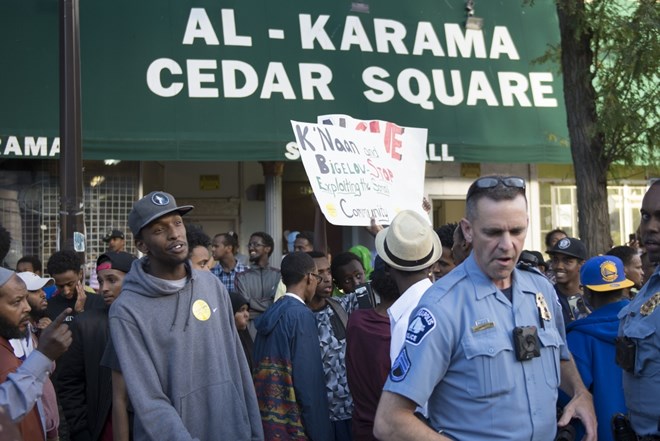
[[564, 243], [160, 199], [104, 266], [608, 271]]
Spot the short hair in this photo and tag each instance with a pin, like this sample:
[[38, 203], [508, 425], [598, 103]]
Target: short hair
[[307, 235], [499, 192], [5, 243], [446, 234], [295, 266], [316, 254], [63, 261], [383, 283], [230, 239], [268, 240], [623, 252], [551, 233], [196, 237], [32, 260], [342, 259]]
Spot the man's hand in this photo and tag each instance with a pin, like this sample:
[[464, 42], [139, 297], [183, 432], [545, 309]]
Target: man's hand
[[374, 228], [43, 323], [56, 338], [426, 205], [81, 298], [581, 407]]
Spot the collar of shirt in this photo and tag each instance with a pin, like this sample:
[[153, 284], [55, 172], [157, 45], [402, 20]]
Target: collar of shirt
[[412, 294], [290, 294]]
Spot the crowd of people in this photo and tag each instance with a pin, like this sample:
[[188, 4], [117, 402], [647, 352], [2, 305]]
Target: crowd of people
[[456, 333]]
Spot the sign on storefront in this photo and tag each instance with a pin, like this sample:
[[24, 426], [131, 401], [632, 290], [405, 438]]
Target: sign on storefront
[[209, 80]]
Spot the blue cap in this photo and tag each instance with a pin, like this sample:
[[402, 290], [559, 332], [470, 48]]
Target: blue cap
[[604, 273], [5, 275]]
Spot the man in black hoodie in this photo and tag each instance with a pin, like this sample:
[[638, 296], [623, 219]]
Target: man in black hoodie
[[85, 388]]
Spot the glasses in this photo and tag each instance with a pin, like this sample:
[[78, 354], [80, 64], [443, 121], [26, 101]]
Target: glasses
[[255, 245], [318, 277], [492, 182]]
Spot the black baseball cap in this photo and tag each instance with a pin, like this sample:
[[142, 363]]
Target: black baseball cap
[[113, 233], [154, 205], [119, 260], [570, 246]]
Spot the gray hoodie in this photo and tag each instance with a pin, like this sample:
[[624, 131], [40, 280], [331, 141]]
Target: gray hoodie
[[184, 367]]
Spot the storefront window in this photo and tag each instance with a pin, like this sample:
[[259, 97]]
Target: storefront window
[[558, 209], [30, 205]]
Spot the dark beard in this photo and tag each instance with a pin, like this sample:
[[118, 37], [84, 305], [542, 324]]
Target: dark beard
[[37, 314], [9, 331]]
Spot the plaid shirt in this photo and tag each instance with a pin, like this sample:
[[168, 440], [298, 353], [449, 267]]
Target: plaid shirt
[[228, 278]]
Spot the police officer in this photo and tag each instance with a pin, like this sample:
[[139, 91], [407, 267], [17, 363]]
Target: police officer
[[484, 345], [637, 352]]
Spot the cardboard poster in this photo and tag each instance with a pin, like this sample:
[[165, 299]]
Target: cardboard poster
[[361, 170]]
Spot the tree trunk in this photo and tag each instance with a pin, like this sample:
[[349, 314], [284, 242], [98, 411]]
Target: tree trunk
[[587, 145]]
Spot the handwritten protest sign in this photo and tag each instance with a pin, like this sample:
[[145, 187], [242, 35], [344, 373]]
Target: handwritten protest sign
[[361, 170]]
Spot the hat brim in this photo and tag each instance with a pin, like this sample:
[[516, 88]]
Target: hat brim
[[611, 286], [36, 284], [550, 253], [380, 249], [182, 210]]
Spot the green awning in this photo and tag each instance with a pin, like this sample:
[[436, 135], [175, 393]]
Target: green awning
[[208, 80]]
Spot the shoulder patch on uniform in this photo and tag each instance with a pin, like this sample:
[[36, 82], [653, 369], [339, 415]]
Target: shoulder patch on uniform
[[400, 367], [420, 325]]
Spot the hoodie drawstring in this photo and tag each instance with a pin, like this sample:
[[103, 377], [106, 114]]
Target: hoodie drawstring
[[176, 310], [192, 281]]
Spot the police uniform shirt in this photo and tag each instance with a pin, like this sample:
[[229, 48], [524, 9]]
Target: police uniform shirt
[[459, 356], [640, 321]]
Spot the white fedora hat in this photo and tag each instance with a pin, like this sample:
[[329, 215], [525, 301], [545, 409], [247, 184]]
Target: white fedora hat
[[409, 243]]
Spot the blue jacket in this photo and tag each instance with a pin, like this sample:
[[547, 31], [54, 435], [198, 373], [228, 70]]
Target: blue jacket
[[288, 373], [591, 341]]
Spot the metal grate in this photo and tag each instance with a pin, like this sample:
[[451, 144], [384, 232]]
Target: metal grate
[[32, 213]]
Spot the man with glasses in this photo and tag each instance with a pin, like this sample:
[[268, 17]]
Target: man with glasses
[[261, 282], [483, 347], [288, 375]]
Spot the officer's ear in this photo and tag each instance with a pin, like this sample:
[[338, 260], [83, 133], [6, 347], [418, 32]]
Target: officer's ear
[[466, 227]]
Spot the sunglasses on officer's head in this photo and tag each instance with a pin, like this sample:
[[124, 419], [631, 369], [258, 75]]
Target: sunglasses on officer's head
[[488, 182]]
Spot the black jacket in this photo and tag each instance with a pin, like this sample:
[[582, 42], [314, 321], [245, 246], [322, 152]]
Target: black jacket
[[84, 387], [59, 303]]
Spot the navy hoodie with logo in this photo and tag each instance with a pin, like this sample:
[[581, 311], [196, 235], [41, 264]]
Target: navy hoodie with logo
[[183, 363]]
